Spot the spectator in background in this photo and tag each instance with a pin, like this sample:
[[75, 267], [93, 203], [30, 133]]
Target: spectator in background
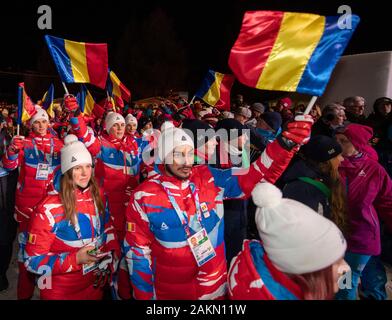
[[355, 109], [242, 115], [269, 125], [257, 110], [369, 199], [283, 107], [332, 117]]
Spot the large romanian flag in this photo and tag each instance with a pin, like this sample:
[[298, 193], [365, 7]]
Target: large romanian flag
[[117, 90], [79, 62], [87, 104], [26, 108], [215, 89], [287, 51], [47, 101]]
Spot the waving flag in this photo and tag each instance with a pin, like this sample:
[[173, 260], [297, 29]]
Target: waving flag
[[87, 104], [26, 108], [286, 51], [47, 101], [117, 90], [79, 62], [215, 89]]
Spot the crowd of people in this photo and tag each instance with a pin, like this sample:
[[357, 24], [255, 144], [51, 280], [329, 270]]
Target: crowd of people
[[178, 200]]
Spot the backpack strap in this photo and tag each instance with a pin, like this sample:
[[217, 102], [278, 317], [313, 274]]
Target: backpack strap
[[318, 184]]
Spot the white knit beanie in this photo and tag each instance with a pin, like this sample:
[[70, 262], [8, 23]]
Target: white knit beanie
[[112, 118], [130, 119], [41, 114], [167, 125], [170, 139], [297, 239], [74, 153]]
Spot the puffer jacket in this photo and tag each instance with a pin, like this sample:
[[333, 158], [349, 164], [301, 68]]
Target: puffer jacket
[[160, 261], [369, 196], [252, 276], [31, 191], [53, 244]]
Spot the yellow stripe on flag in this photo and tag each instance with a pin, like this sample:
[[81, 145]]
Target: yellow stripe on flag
[[213, 94], [116, 84], [77, 54], [89, 105], [284, 68], [25, 115]]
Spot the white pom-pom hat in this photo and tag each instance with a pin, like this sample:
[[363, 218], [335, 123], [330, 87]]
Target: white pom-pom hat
[[297, 239], [74, 153], [167, 125]]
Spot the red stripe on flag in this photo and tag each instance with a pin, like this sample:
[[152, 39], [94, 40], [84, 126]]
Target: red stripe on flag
[[254, 45], [225, 88], [125, 93], [97, 63]]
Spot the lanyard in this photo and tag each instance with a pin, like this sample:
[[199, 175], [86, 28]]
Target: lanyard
[[48, 156], [77, 226], [182, 214]]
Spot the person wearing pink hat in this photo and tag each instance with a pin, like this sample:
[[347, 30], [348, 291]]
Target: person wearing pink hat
[[369, 199]]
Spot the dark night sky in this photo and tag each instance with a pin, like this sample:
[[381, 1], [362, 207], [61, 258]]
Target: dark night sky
[[206, 29]]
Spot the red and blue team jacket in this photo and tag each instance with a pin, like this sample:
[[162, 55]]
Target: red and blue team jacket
[[117, 168], [252, 276], [160, 262], [31, 191], [53, 243]]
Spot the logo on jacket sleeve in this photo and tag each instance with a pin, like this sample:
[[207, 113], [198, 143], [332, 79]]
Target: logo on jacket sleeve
[[32, 238], [164, 226], [131, 227]]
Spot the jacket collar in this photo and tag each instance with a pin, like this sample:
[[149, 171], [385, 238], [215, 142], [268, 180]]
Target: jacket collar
[[279, 285]]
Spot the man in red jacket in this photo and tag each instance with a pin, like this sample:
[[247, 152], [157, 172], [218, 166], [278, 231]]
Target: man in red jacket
[[174, 242]]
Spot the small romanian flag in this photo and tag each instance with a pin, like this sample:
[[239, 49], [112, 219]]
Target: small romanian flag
[[87, 104], [215, 89], [32, 238], [79, 62], [26, 108], [47, 101], [286, 51], [131, 227], [117, 90]]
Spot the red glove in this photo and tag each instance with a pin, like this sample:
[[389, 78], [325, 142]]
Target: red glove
[[17, 144], [109, 105], [70, 103], [298, 131]]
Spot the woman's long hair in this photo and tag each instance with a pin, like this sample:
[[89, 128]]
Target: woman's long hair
[[318, 285], [338, 204], [68, 199]]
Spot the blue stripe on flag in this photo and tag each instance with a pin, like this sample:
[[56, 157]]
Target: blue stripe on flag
[[206, 85], [320, 66], [60, 57]]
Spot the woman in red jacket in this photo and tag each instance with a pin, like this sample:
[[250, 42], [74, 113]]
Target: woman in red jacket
[[299, 257], [71, 242]]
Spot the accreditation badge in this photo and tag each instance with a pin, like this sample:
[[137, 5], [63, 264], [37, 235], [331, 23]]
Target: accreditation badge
[[42, 171], [201, 247]]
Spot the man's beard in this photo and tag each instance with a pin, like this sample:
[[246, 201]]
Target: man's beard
[[168, 169]]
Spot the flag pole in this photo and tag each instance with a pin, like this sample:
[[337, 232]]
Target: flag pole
[[310, 105], [192, 100], [65, 88]]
